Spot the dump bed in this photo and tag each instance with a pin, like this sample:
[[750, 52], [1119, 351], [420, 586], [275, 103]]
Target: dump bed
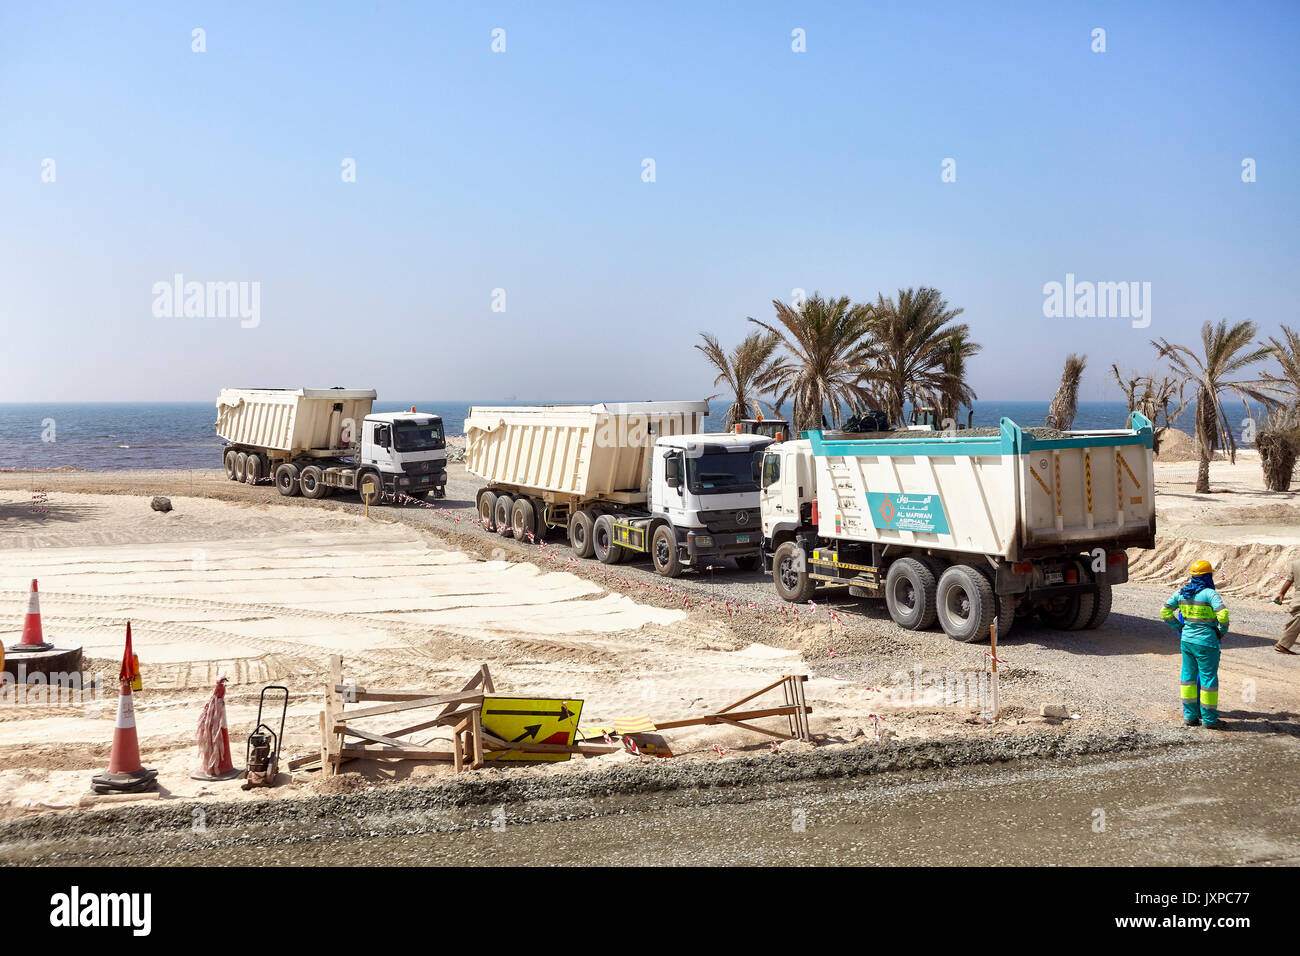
[[294, 421], [583, 451], [1018, 493]]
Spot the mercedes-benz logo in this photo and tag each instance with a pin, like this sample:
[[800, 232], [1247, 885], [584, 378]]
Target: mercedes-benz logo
[[742, 517]]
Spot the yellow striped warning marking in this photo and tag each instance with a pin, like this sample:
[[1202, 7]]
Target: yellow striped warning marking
[[638, 724]]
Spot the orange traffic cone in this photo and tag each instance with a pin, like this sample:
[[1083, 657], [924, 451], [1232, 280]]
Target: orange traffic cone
[[214, 739], [33, 638], [125, 772]]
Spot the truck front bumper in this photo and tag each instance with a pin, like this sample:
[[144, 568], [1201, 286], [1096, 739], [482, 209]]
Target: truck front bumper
[[436, 479], [706, 544]]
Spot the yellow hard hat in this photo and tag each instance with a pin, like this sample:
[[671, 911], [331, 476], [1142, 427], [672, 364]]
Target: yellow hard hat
[[1201, 567]]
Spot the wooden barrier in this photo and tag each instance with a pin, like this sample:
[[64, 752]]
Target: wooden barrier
[[795, 710]]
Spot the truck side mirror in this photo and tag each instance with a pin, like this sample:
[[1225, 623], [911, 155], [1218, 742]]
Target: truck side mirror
[[381, 436], [673, 471]]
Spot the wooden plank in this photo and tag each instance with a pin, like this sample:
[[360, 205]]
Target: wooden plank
[[470, 685], [736, 715], [377, 753], [452, 699], [381, 739], [757, 730], [746, 700], [476, 728], [365, 693]]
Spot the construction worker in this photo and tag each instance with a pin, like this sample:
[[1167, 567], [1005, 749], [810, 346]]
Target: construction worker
[[1291, 629], [1200, 617]]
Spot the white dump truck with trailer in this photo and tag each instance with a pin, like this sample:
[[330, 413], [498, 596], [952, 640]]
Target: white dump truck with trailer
[[314, 441], [621, 479], [967, 528]]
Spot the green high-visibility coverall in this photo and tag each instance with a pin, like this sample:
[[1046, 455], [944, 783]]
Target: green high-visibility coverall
[[1202, 628]]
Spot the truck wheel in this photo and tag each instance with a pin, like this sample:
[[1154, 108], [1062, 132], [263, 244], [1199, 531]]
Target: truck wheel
[[581, 528], [747, 562], [663, 552], [229, 460], [487, 507], [522, 519], [312, 482], [966, 603], [910, 594], [1005, 603], [1102, 609], [608, 551], [370, 487], [440, 491], [241, 465], [254, 470], [286, 480], [790, 574], [501, 515]]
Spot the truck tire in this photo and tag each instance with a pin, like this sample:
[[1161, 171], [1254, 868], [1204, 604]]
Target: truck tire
[[1005, 603], [255, 469], [663, 552], [241, 465], [539, 521], [608, 551], [911, 593], [501, 515], [523, 520], [1101, 611], [790, 574], [312, 481], [581, 527], [370, 487], [228, 459], [747, 562], [966, 603], [487, 509], [286, 480]]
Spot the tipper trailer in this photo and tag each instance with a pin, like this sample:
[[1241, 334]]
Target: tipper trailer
[[313, 441], [621, 479], [981, 527]]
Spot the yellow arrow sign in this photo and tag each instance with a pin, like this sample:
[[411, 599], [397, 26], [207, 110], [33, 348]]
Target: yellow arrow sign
[[534, 720]]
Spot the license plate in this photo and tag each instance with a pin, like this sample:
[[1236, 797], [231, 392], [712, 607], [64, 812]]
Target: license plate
[[742, 539], [1054, 577]]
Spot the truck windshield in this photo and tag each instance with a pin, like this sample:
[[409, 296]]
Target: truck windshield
[[712, 472], [418, 436]]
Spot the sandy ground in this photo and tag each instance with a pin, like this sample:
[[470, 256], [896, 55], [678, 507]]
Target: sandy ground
[[241, 582]]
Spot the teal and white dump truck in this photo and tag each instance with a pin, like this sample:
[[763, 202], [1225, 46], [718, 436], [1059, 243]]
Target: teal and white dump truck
[[967, 528], [621, 479], [314, 441]]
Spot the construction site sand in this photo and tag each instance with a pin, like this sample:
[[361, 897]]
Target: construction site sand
[[264, 594]]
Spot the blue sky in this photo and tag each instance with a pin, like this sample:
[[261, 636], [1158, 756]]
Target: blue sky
[[522, 171]]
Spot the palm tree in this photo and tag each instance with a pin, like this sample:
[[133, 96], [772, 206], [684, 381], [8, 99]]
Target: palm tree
[[1278, 439], [912, 337], [1227, 351], [1060, 414], [747, 372], [953, 390], [828, 346]]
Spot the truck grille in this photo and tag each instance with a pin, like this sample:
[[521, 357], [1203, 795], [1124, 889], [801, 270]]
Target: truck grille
[[421, 467], [723, 522]]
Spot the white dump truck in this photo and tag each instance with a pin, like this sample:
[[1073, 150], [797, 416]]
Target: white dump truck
[[969, 527], [620, 479], [313, 441]]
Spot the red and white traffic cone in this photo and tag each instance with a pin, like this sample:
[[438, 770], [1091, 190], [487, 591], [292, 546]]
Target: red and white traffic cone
[[125, 772], [214, 739], [33, 638]]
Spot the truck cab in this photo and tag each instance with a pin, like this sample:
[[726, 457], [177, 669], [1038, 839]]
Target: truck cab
[[787, 492], [707, 487], [408, 449], [777, 429]]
